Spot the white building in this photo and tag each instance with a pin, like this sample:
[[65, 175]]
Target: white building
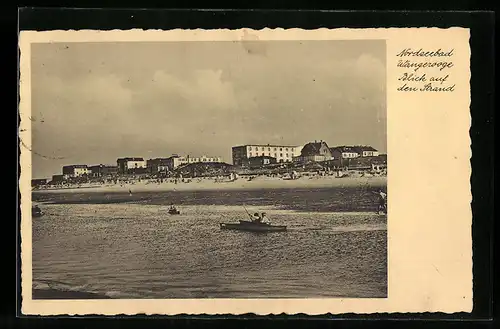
[[157, 165], [204, 158], [75, 170], [127, 164], [282, 153], [366, 151], [350, 152], [176, 160], [344, 152], [316, 151]]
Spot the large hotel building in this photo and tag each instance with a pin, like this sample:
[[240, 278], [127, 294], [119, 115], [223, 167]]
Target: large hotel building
[[282, 153]]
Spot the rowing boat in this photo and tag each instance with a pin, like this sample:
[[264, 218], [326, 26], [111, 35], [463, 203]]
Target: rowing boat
[[244, 225], [36, 212], [174, 212]]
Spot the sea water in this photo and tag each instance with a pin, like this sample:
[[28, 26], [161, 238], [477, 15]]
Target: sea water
[[128, 246]]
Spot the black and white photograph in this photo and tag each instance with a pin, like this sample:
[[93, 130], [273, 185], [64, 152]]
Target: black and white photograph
[[234, 172], [199, 169]]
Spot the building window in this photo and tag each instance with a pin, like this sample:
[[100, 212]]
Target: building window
[[275, 148], [250, 153], [275, 155], [281, 154], [287, 155], [281, 149], [286, 149], [250, 148], [269, 149]]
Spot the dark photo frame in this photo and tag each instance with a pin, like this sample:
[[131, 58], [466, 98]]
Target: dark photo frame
[[481, 132]]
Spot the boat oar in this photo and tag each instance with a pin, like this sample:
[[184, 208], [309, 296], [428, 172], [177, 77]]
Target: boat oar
[[250, 216]]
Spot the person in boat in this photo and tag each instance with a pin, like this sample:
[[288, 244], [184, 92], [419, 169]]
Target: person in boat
[[263, 217], [257, 218], [382, 201]]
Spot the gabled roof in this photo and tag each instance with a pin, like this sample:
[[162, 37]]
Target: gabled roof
[[362, 148], [75, 166], [158, 160], [312, 148], [103, 166], [131, 159], [265, 145], [353, 149], [344, 149]]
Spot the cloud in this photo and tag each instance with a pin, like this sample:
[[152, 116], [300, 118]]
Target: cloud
[[187, 109], [202, 91], [76, 108], [71, 116], [202, 99], [92, 116]]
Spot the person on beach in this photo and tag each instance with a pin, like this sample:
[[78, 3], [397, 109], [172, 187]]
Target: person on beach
[[382, 201]]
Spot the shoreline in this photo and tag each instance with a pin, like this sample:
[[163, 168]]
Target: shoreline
[[210, 184]]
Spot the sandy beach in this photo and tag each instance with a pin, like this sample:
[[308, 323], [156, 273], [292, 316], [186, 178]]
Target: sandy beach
[[211, 184]]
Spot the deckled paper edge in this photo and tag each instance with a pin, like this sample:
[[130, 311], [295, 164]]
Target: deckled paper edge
[[26, 197]]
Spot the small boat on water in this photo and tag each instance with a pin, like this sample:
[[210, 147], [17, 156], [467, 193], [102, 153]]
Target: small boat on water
[[245, 225], [36, 211], [256, 223], [173, 211]]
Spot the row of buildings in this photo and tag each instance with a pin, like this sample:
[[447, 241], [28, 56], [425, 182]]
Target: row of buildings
[[245, 156], [131, 165], [317, 151]]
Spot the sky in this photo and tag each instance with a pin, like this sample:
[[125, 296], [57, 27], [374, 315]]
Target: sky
[[95, 102]]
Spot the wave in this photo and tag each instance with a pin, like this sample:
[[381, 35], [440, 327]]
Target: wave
[[53, 289], [57, 285], [341, 228], [302, 200]]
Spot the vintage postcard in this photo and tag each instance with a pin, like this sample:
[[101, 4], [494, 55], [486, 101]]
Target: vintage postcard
[[245, 171]]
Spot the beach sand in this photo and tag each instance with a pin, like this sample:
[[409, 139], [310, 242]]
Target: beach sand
[[211, 184]]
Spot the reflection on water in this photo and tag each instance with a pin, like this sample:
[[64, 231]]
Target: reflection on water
[[132, 248]]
